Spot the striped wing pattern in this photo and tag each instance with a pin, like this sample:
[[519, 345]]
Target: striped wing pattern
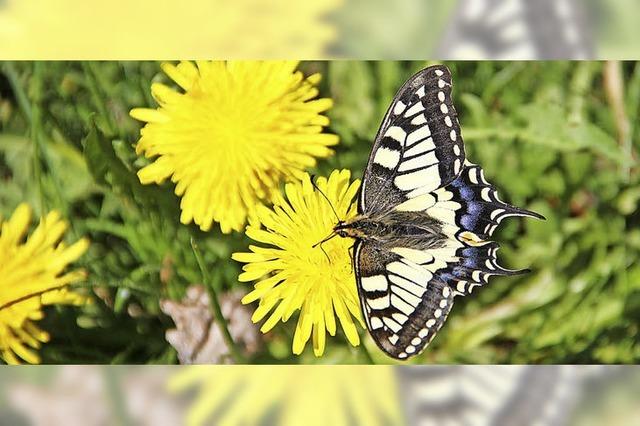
[[490, 395], [406, 290], [519, 29], [418, 147], [404, 304]]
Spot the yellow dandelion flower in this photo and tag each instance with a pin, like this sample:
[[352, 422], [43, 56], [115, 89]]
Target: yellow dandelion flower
[[291, 274], [236, 132], [291, 395], [32, 275]]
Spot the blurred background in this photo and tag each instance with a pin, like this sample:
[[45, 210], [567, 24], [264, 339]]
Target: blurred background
[[410, 29], [560, 138], [341, 395]]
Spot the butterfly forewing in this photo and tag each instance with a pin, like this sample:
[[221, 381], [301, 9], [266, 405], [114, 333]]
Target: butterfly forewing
[[418, 147]]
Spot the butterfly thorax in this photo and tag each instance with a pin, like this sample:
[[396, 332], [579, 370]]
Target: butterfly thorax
[[394, 229]]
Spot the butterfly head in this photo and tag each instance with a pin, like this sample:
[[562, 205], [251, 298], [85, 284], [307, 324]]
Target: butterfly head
[[352, 228]]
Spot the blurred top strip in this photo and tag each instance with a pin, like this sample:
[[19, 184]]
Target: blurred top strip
[[358, 29]]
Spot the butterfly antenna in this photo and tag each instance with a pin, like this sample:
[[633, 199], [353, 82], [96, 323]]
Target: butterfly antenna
[[326, 198], [319, 243]]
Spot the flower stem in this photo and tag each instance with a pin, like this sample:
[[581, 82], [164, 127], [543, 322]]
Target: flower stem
[[215, 305], [114, 393], [365, 353]]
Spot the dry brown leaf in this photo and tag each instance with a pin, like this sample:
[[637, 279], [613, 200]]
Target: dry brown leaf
[[197, 337], [78, 396]]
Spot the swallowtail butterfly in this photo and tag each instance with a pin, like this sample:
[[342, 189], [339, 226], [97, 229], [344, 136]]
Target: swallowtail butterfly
[[542, 29], [492, 395], [425, 216]]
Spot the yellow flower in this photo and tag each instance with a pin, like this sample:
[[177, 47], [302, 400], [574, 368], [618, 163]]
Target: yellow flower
[[293, 275], [32, 275], [206, 28], [238, 130], [291, 395]]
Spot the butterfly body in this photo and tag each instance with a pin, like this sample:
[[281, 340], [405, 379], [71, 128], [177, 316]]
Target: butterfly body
[[395, 229], [425, 219]]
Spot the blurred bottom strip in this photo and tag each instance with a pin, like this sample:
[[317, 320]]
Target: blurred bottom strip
[[320, 395]]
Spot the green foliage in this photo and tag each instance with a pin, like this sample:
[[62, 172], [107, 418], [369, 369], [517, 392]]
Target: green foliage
[[545, 134]]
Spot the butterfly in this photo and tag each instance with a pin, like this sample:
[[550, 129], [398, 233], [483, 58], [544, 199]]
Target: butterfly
[[542, 29], [425, 216], [497, 395]]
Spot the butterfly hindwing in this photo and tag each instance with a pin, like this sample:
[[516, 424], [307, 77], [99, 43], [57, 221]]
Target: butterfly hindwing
[[481, 209], [418, 147], [403, 303]]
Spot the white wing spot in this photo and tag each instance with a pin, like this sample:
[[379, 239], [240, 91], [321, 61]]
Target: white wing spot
[[400, 106], [439, 73], [444, 109], [420, 92], [416, 108], [456, 150], [401, 305], [396, 133], [431, 323], [441, 83], [485, 194], [473, 176], [410, 349], [423, 333], [376, 323], [461, 286], [419, 162], [388, 158], [456, 166], [416, 203], [393, 339], [409, 286], [417, 135], [446, 292], [375, 283], [416, 274], [416, 341], [400, 318], [496, 213], [392, 324], [379, 303], [489, 264], [428, 178], [402, 355], [443, 303], [441, 96], [447, 121], [453, 135], [420, 147], [418, 120], [437, 313]]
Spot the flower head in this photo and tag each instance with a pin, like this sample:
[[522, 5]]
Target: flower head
[[299, 394], [293, 275], [236, 132], [32, 275]]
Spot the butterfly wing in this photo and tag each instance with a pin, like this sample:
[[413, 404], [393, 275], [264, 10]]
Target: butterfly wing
[[404, 304], [495, 29], [519, 395], [469, 210], [418, 148]]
